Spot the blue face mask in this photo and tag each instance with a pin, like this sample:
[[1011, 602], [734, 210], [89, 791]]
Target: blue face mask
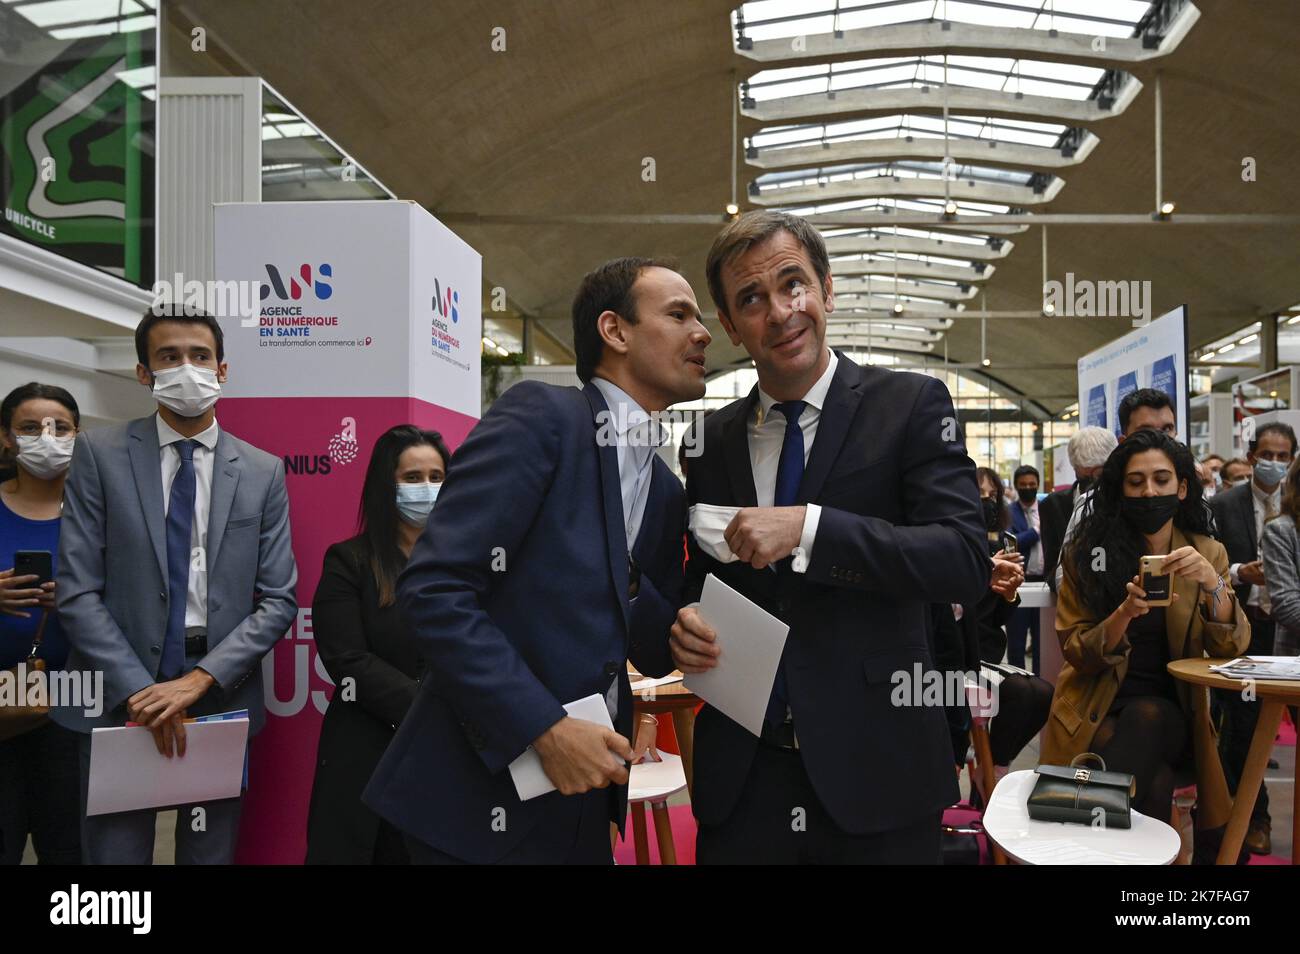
[[1270, 473], [414, 501]]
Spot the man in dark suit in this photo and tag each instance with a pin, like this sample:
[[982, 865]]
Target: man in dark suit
[[1240, 514], [1027, 526], [553, 555], [859, 508], [1087, 450]]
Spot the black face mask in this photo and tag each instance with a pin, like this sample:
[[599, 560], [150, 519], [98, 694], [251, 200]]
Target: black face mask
[[1149, 514], [1026, 495], [992, 514], [1084, 483]]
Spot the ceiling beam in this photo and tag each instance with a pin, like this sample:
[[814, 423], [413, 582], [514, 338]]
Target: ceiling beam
[[983, 151], [911, 266], [887, 186], [928, 37], [888, 242], [931, 98]]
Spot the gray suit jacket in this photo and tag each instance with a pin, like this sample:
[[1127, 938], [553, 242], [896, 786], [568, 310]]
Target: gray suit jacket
[[112, 580], [1280, 550]]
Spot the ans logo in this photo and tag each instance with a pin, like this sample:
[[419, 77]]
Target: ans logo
[[446, 302], [295, 290], [343, 445]]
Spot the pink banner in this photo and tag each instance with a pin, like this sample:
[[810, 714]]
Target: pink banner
[[325, 444]]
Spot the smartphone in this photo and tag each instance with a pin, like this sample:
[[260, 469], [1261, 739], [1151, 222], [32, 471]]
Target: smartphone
[[40, 562], [1009, 542], [1155, 581]]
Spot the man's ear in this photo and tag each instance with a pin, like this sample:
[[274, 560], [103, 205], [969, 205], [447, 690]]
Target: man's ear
[[611, 331], [728, 327], [144, 375], [828, 295], [223, 371]]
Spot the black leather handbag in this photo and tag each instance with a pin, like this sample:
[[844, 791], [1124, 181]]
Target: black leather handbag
[[1082, 795]]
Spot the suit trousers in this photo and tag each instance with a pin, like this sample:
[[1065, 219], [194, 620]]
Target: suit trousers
[[779, 820], [126, 838], [586, 843]]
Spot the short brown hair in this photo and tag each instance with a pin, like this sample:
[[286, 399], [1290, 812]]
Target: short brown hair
[[607, 288], [749, 230]]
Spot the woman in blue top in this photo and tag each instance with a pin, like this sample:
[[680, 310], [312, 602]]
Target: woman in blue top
[[38, 769]]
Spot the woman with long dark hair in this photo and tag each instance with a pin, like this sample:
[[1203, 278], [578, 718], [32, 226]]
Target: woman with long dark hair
[[38, 761], [367, 649], [1114, 695]]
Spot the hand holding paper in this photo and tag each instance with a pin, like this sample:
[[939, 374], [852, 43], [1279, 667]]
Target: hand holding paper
[[749, 643], [575, 755]]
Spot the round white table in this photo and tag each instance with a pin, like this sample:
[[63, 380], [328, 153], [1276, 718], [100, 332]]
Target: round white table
[[1030, 842]]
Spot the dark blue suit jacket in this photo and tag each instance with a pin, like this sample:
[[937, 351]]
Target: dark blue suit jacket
[[1026, 536], [517, 593], [900, 528]]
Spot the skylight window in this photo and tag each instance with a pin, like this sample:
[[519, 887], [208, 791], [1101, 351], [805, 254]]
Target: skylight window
[[775, 19]]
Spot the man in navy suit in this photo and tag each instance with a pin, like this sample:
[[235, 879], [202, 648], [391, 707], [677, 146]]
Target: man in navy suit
[[859, 508], [1026, 524], [553, 555]]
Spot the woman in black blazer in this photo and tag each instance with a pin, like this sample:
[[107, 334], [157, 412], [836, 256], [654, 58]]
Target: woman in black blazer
[[367, 649]]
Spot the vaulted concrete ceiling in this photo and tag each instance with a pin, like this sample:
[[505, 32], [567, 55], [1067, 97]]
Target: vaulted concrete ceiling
[[561, 121]]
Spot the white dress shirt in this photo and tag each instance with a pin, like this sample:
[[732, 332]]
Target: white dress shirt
[[637, 438], [196, 598], [767, 433]]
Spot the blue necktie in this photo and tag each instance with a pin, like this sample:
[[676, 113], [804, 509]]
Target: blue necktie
[[180, 521], [789, 474]]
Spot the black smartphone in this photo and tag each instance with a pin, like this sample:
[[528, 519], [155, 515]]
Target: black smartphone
[[40, 562], [1155, 583]]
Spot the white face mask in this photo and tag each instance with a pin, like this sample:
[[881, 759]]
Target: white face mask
[[707, 521], [187, 390], [415, 501], [45, 456]]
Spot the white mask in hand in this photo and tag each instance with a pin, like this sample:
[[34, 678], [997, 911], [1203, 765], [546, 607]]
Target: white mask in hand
[[707, 521], [45, 456], [187, 390]]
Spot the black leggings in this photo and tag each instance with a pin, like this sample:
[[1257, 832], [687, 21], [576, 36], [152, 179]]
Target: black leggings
[[1023, 705], [1145, 736]]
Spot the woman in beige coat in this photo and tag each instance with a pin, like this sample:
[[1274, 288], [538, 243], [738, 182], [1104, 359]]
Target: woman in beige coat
[[1114, 695]]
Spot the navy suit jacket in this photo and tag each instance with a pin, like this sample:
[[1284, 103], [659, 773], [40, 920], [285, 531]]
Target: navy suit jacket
[[1026, 536], [901, 528], [517, 593]]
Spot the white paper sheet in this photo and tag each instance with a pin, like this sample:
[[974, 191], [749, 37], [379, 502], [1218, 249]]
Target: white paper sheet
[[526, 771], [751, 640], [127, 773]]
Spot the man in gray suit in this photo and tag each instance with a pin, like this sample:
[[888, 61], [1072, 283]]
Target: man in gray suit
[[175, 577]]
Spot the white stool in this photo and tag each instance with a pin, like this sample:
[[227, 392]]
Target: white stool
[[654, 782], [1030, 842]]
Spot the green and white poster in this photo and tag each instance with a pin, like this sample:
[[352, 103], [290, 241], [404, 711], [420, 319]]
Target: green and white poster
[[77, 137]]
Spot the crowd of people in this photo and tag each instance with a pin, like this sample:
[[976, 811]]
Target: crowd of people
[[485, 589]]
